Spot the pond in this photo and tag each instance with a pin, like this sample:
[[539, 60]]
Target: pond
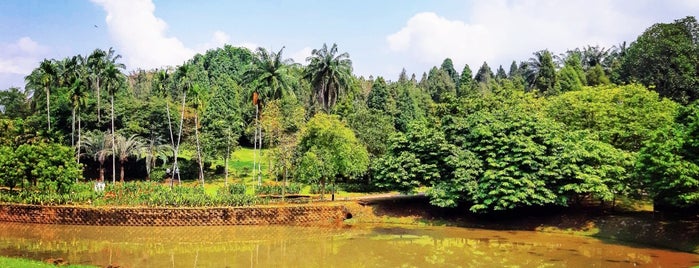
[[347, 246]]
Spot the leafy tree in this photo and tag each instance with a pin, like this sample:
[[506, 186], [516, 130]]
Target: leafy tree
[[666, 58], [440, 85], [541, 72], [415, 158], [514, 70], [98, 146], [622, 116], [465, 81], [372, 129], [98, 62], [328, 149], [669, 163], [269, 74], [500, 74], [329, 73], [13, 103], [596, 77], [448, 67], [484, 74], [48, 166], [378, 96]]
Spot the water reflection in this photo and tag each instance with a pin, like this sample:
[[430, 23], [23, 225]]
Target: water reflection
[[295, 246]]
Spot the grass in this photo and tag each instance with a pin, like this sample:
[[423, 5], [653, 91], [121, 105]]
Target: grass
[[17, 262]]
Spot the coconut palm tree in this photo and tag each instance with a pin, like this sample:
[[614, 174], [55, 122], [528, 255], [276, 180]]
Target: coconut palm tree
[[43, 78], [125, 148], [329, 73], [114, 80], [98, 145], [78, 84]]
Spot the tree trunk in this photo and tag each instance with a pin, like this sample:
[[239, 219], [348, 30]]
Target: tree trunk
[[254, 150], [121, 171], [78, 156], [99, 113], [322, 189], [196, 134], [101, 172], [72, 130], [48, 107], [228, 155], [113, 146], [177, 147]]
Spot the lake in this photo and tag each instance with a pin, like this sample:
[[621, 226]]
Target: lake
[[361, 245]]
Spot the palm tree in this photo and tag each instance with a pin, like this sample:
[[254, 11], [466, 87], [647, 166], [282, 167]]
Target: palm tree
[[78, 83], [185, 84], [97, 144], [113, 79], [44, 78], [159, 80], [329, 74], [197, 92], [152, 152], [98, 62], [269, 78], [540, 71], [124, 148]]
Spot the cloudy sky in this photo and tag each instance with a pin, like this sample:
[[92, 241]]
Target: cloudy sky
[[382, 37]]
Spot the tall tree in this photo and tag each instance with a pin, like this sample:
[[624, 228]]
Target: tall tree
[[666, 57], [114, 81], [98, 62], [484, 74], [329, 73], [448, 67], [44, 78], [541, 72], [378, 96], [465, 81]]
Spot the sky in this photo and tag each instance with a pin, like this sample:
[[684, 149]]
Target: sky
[[382, 37]]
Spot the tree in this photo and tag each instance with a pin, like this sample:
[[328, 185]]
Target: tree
[[669, 163], [448, 67], [484, 74], [98, 62], [328, 149], [48, 166], [329, 73], [541, 72], [666, 58], [378, 96], [98, 145], [440, 85], [571, 76], [500, 74], [514, 70], [624, 116], [465, 81], [13, 103], [269, 75], [595, 76], [125, 148], [44, 78], [113, 79]]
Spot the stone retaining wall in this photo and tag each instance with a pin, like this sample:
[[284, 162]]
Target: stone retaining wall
[[297, 214]]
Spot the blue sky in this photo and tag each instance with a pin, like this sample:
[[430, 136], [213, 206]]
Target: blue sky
[[382, 37]]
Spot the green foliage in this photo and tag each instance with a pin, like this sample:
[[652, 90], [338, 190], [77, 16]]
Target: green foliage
[[328, 149], [596, 77], [378, 96], [50, 167], [448, 67], [666, 58], [440, 85], [623, 116], [277, 189], [414, 159], [669, 163], [372, 128], [465, 81]]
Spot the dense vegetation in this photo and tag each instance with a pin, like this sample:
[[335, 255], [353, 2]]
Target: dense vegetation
[[591, 123]]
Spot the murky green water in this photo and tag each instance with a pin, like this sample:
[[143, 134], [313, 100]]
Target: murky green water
[[293, 246]]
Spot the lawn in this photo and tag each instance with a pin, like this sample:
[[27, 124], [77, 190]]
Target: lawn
[[16, 262]]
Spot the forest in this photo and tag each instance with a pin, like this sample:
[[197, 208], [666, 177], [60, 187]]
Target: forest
[[560, 128]]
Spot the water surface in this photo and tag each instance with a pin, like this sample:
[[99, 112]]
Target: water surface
[[348, 246]]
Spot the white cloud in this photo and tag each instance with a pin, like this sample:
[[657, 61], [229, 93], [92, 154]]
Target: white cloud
[[503, 30], [142, 38], [18, 59], [301, 55], [21, 56]]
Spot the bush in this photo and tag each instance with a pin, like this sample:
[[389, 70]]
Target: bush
[[276, 189], [49, 167]]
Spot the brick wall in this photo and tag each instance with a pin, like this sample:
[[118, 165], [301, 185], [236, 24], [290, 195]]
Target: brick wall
[[292, 214]]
